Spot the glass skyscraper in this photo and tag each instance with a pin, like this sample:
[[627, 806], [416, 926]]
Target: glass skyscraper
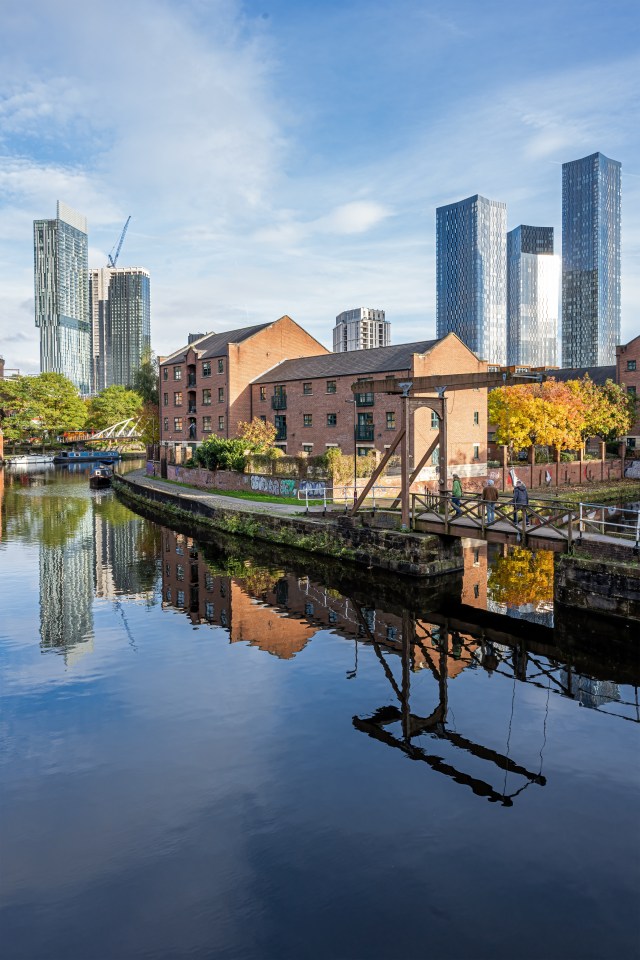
[[533, 289], [121, 323], [471, 275], [590, 261], [62, 295]]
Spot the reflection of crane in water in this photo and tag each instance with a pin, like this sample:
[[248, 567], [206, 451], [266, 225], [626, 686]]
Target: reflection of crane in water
[[118, 605], [434, 724]]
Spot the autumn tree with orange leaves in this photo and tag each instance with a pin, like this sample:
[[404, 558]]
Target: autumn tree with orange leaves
[[559, 414]]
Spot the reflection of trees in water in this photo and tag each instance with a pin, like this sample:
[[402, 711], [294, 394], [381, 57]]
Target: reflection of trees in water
[[50, 520], [522, 577]]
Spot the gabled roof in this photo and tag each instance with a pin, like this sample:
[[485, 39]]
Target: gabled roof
[[215, 344], [598, 374], [351, 363]]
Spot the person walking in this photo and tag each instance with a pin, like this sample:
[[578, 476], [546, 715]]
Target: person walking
[[456, 493], [490, 497], [520, 499]]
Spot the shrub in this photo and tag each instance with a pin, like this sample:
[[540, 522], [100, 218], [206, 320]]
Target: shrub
[[217, 453]]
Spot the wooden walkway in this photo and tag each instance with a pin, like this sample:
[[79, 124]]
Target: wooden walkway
[[542, 524]]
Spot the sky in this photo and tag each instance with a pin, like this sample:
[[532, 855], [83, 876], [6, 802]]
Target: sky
[[281, 157]]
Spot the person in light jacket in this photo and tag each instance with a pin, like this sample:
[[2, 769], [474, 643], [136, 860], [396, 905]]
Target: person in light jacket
[[520, 499], [490, 497]]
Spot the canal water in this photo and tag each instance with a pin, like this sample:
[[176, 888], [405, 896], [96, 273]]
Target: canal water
[[214, 750]]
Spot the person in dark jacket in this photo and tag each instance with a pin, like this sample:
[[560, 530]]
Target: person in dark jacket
[[520, 499]]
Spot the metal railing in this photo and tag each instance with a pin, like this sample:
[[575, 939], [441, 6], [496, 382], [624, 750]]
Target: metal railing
[[378, 497], [279, 401]]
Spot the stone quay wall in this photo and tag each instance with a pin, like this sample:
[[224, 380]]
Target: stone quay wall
[[415, 555], [610, 588]]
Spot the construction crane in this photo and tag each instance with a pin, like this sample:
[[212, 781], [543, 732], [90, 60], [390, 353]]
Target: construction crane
[[113, 257]]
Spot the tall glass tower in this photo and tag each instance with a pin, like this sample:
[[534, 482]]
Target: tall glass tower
[[62, 295], [590, 261], [121, 323], [471, 275], [533, 288]]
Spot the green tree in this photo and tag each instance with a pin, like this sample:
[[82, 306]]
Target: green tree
[[56, 403], [15, 413], [113, 405], [609, 409], [145, 378]]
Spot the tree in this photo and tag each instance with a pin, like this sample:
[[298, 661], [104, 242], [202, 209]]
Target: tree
[[609, 410], [549, 413], [258, 435], [113, 405], [145, 378], [55, 403], [216, 453]]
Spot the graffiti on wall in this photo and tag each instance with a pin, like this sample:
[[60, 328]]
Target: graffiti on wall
[[277, 486], [313, 488]]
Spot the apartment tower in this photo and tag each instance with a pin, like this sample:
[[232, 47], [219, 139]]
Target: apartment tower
[[361, 329], [533, 293], [120, 323], [590, 261], [62, 295], [471, 275]]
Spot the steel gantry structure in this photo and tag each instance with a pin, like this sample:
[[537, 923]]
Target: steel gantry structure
[[428, 392]]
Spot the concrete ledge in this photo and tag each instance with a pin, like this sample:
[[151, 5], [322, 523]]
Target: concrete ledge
[[414, 555]]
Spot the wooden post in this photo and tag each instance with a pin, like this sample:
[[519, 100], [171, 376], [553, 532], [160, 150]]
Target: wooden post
[[603, 457], [443, 458], [404, 465], [505, 466], [581, 462]]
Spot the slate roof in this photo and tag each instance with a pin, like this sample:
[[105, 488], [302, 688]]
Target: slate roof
[[351, 363], [598, 374], [215, 344]]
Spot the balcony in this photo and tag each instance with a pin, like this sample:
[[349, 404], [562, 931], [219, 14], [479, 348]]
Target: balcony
[[364, 399], [192, 408], [279, 401], [191, 380], [281, 434], [364, 431]]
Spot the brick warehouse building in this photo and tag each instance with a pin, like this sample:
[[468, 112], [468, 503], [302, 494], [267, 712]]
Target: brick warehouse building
[[628, 374], [280, 373], [204, 387]]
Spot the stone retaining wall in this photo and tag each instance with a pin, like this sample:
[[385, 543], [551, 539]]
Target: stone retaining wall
[[608, 588]]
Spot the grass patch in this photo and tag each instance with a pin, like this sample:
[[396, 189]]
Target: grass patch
[[244, 494]]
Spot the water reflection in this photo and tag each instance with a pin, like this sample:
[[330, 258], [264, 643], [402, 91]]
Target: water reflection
[[89, 546]]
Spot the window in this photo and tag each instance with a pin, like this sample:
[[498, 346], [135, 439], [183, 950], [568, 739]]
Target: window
[[208, 581], [364, 451], [165, 399], [180, 598], [476, 451], [391, 420], [220, 394], [476, 557], [631, 364], [307, 448], [206, 368], [206, 398], [263, 418], [435, 456], [177, 398], [177, 373], [220, 366], [307, 419], [332, 419], [476, 418], [165, 373], [166, 424], [209, 610], [476, 590], [263, 393], [307, 389], [177, 424], [632, 391], [206, 424], [220, 423], [331, 386], [179, 571], [435, 420], [392, 634]]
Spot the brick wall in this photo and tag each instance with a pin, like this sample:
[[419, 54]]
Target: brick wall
[[628, 373]]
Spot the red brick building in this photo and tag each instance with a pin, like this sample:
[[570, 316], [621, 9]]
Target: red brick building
[[204, 387], [311, 402], [628, 374]]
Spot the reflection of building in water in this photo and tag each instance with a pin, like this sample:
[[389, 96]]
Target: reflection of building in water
[[280, 612], [590, 693], [118, 567], [474, 583], [66, 592], [1, 499]]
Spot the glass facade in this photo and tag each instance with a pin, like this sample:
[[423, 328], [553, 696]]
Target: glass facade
[[121, 323], [590, 261], [471, 274], [533, 288], [62, 296]]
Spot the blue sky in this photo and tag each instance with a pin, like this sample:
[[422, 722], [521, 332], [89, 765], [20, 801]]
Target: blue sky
[[281, 157]]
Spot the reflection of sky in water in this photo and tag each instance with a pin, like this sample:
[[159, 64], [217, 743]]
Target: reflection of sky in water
[[190, 789]]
